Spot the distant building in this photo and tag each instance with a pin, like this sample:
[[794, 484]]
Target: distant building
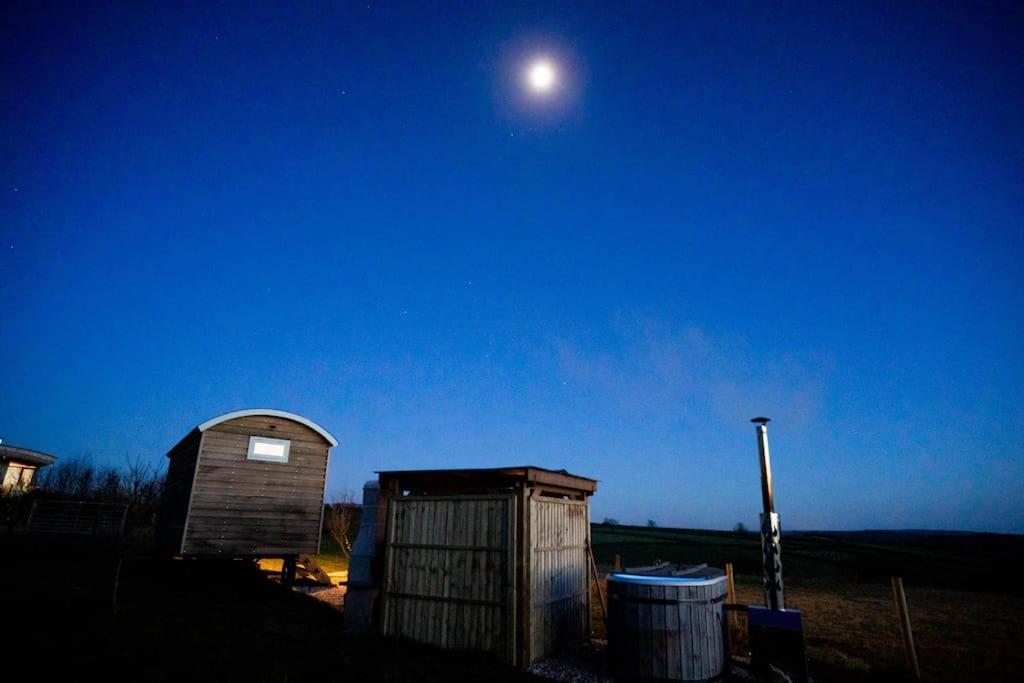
[[18, 466]]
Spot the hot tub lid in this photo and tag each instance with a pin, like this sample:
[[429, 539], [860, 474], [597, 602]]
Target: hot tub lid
[[665, 580], [666, 574]]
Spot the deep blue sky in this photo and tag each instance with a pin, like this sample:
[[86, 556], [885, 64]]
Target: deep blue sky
[[809, 211]]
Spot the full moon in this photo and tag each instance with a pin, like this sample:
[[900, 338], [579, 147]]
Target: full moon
[[541, 76]]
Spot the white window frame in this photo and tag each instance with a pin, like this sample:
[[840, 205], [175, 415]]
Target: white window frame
[[253, 455]]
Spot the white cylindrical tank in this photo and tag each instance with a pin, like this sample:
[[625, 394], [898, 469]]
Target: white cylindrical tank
[[362, 592]]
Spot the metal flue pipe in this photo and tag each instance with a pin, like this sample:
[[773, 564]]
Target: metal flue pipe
[[767, 499], [771, 532]]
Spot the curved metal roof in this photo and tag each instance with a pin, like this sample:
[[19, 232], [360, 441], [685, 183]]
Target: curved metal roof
[[269, 412]]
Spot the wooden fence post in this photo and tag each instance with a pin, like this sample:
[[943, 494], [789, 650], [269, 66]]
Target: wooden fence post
[[730, 598], [597, 582], [618, 563], [909, 651]]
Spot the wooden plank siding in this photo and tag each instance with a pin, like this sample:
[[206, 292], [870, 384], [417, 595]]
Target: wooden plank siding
[[170, 531], [244, 507], [666, 632], [449, 576], [559, 575], [542, 561]]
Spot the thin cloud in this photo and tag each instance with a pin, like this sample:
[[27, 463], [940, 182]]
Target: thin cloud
[[656, 369]]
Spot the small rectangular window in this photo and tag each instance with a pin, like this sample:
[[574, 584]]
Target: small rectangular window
[[269, 450]]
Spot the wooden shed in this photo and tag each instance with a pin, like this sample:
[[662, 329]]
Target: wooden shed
[[246, 484], [487, 559]]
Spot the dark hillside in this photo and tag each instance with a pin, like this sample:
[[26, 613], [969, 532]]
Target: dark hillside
[[979, 560]]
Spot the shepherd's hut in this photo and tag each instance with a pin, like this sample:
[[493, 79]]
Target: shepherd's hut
[[486, 559], [246, 484]]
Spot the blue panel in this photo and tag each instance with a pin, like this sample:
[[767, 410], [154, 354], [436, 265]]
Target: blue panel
[[789, 619]]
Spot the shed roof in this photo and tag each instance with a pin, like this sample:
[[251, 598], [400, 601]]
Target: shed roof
[[530, 474], [26, 455], [263, 412]]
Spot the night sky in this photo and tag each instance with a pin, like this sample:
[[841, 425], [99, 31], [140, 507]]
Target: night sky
[[358, 212]]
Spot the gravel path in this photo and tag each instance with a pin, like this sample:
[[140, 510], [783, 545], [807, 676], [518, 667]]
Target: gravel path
[[334, 596], [587, 664], [584, 664]]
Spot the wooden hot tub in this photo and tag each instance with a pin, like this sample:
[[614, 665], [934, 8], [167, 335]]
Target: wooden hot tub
[[665, 623]]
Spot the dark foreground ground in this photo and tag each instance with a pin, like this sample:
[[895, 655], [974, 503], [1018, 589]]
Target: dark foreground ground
[[191, 621], [203, 621]]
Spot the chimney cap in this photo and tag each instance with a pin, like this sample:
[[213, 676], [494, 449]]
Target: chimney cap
[[761, 420]]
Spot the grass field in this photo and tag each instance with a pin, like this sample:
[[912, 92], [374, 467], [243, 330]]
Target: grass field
[[966, 609]]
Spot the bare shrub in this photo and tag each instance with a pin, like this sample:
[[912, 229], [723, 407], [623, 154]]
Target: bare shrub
[[341, 519], [74, 478], [137, 483], [141, 484]]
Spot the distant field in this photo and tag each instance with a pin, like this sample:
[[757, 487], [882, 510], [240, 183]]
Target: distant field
[[983, 561], [966, 608]]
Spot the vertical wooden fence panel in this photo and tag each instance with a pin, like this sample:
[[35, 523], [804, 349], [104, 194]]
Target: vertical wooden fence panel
[[559, 574], [450, 572]]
